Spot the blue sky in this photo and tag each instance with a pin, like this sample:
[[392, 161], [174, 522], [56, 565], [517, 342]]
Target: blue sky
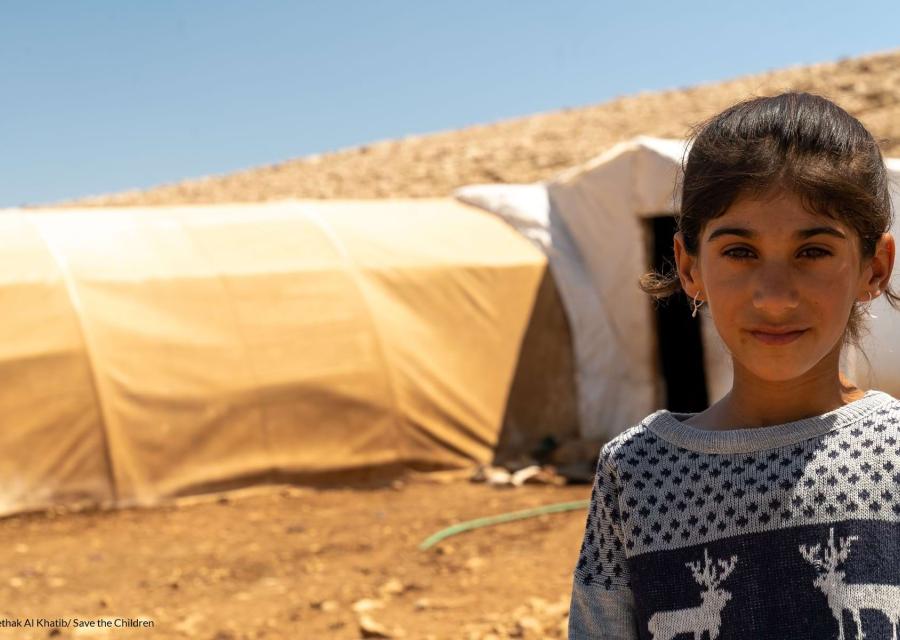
[[100, 97]]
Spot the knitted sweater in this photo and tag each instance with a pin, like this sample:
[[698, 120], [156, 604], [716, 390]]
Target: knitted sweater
[[790, 531]]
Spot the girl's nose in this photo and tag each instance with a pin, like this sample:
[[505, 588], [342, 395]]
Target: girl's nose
[[774, 289]]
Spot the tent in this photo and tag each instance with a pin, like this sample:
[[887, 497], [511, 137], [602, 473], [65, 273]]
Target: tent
[[598, 225], [157, 352]]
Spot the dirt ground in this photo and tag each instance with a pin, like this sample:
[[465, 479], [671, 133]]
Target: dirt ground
[[299, 562]]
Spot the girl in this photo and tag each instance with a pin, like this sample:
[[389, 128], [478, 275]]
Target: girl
[[774, 513]]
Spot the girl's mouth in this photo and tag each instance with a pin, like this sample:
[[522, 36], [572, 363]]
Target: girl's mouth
[[777, 338]]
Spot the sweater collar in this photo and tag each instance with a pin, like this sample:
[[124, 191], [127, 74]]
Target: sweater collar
[[670, 426]]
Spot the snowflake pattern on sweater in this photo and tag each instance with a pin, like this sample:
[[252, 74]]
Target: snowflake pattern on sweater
[[788, 531]]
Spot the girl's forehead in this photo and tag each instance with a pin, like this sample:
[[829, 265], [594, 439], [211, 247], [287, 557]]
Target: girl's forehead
[[781, 215]]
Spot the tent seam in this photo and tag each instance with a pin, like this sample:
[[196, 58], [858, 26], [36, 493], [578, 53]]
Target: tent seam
[[78, 308], [318, 220]]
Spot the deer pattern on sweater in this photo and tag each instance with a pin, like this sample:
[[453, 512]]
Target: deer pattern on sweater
[[852, 597], [665, 625], [830, 580]]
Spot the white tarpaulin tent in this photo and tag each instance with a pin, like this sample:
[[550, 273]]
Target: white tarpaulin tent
[[589, 222]]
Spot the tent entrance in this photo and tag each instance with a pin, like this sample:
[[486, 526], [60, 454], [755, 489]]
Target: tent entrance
[[680, 345]]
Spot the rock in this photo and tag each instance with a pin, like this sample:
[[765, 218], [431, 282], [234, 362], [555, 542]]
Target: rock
[[518, 478], [392, 587], [547, 475], [526, 473], [528, 627], [367, 604], [324, 605], [370, 629], [491, 475]]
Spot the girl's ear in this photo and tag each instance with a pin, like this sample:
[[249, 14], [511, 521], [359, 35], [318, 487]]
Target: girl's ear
[[688, 268], [882, 264]]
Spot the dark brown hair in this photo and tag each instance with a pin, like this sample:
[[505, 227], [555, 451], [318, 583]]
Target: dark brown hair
[[796, 142]]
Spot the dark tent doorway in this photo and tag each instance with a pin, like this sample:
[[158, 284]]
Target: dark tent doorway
[[680, 355]]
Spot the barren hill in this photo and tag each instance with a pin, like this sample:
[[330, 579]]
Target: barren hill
[[535, 147]]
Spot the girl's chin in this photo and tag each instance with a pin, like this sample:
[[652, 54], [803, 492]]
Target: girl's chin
[[774, 367], [767, 373]]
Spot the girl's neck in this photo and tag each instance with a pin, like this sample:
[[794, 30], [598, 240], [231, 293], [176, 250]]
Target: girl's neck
[[754, 403], [750, 410]]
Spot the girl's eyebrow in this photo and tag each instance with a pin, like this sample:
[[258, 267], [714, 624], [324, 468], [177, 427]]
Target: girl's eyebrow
[[800, 234]]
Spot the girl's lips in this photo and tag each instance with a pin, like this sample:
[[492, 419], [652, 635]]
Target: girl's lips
[[777, 338]]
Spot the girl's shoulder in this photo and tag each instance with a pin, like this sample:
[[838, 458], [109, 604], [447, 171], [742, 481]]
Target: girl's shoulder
[[633, 442], [891, 402], [888, 411]]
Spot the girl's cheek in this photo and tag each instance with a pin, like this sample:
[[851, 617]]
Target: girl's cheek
[[825, 284], [730, 280]]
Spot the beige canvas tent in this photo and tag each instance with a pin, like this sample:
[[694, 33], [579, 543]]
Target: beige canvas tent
[[597, 223], [158, 352]]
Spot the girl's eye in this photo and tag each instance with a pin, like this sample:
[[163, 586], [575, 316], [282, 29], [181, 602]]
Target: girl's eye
[[741, 253], [818, 252], [737, 253]]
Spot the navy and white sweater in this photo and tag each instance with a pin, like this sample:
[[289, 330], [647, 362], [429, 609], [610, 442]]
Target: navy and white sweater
[[790, 531]]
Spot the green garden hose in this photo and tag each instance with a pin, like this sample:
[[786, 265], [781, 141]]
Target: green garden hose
[[503, 517]]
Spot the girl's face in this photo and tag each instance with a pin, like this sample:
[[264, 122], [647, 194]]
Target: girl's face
[[770, 266]]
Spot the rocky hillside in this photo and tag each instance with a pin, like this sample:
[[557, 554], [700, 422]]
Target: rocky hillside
[[534, 147]]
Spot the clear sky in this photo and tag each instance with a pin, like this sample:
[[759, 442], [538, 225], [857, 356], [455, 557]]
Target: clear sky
[[102, 96]]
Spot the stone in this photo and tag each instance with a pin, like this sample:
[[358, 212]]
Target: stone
[[367, 604], [369, 628]]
